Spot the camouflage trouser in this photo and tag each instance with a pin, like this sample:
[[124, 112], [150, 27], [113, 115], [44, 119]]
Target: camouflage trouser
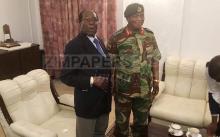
[[140, 108]]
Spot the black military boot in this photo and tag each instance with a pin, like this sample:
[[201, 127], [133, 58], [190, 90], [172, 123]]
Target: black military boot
[[118, 134], [139, 131]]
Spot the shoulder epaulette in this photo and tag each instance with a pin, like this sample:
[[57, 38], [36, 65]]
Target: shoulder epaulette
[[118, 32], [119, 36], [148, 30]]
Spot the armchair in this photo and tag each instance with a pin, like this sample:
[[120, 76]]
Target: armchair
[[29, 107], [183, 97]]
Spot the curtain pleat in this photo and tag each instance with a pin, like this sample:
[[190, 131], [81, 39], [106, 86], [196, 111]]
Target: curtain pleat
[[59, 20]]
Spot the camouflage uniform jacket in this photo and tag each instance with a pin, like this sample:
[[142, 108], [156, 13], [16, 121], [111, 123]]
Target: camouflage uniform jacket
[[133, 54]]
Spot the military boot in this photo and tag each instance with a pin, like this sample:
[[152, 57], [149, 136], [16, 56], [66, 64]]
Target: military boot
[[118, 134], [139, 131]]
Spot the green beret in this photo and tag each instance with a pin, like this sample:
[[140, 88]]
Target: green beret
[[133, 9]]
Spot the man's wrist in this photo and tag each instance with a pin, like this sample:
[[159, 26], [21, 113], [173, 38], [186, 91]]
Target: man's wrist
[[156, 80]]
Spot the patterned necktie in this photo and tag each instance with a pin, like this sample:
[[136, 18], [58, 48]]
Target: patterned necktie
[[98, 47]]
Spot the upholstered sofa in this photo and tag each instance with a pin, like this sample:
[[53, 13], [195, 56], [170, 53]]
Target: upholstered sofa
[[30, 109], [183, 94]]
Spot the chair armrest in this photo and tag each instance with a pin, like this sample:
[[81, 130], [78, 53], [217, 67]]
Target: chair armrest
[[67, 99], [27, 129], [161, 89]]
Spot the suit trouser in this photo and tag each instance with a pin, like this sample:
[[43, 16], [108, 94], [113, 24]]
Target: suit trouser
[[92, 127], [140, 107]]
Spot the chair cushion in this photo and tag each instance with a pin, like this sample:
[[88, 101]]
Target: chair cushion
[[184, 80], [63, 123], [11, 94], [35, 107], [42, 78], [27, 129], [171, 73], [199, 86], [183, 110], [28, 86]]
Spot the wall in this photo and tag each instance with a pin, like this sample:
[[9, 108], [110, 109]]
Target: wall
[[185, 28], [188, 28], [201, 29], [23, 18]]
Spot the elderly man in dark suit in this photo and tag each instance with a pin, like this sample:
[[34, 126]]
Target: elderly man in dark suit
[[87, 68]]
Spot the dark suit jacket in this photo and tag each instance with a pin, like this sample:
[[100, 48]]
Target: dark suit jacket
[[82, 61]]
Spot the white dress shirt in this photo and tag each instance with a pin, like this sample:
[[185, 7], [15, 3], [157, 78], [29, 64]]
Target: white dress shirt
[[92, 40]]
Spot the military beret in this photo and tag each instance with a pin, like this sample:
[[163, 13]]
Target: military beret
[[133, 9]]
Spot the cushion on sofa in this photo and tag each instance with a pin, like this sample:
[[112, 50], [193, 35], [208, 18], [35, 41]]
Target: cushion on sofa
[[184, 98], [63, 123], [179, 110]]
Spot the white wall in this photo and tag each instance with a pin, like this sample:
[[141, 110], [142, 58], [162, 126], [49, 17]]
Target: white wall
[[201, 29], [23, 18], [186, 28]]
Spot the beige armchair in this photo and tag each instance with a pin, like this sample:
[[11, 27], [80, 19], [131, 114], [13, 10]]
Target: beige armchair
[[29, 109], [183, 94]]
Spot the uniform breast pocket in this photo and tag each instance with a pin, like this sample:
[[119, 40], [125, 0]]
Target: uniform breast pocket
[[148, 45], [125, 49], [149, 49], [147, 52]]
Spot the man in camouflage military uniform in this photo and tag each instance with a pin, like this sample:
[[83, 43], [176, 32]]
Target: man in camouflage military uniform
[[136, 58]]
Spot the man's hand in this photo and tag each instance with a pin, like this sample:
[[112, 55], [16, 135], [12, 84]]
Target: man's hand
[[101, 83], [211, 129], [155, 89], [155, 70]]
